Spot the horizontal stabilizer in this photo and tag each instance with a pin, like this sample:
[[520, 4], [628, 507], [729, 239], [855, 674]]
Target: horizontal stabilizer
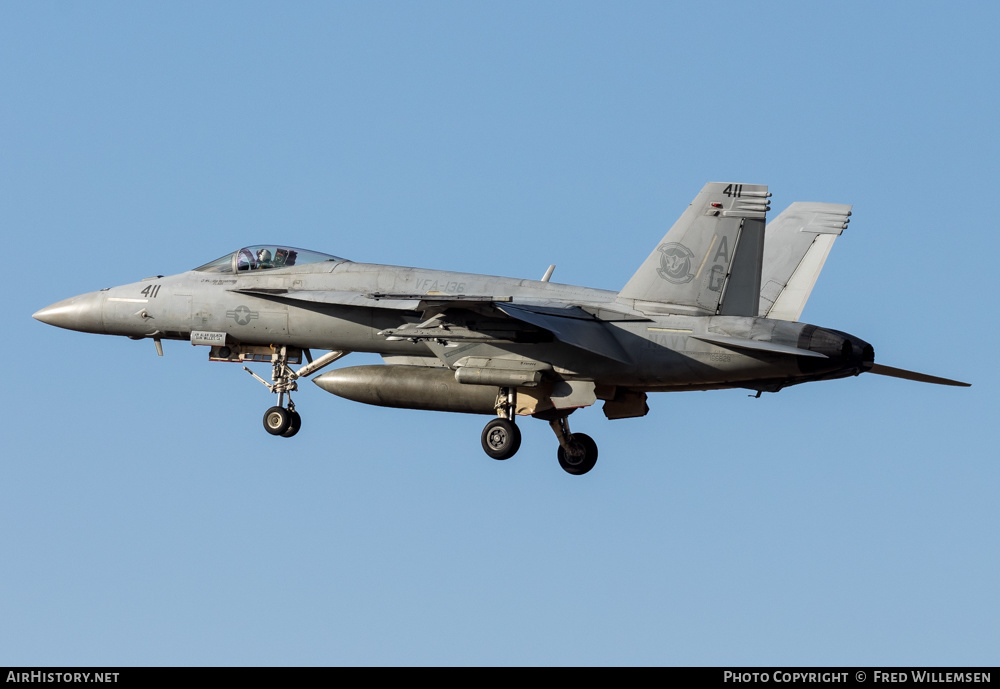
[[913, 375], [757, 345]]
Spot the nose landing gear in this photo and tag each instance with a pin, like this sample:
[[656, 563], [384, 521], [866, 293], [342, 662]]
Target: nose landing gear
[[283, 420]]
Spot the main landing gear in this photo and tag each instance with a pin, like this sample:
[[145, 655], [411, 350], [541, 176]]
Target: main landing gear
[[501, 438], [283, 420], [577, 452]]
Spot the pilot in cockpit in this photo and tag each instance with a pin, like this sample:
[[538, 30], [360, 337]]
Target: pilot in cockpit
[[264, 259]]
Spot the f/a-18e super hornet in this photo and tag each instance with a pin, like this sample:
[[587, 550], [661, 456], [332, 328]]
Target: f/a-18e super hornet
[[715, 305]]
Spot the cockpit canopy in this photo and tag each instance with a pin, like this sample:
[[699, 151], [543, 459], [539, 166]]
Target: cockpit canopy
[[264, 257]]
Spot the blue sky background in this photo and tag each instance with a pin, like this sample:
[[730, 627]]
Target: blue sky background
[[147, 519]]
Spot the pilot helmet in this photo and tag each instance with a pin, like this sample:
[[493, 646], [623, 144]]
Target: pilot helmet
[[263, 255]]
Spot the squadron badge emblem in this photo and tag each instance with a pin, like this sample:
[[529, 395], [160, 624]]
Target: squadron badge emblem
[[675, 263]]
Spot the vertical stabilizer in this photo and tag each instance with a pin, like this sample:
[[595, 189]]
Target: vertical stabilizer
[[710, 260], [797, 244]]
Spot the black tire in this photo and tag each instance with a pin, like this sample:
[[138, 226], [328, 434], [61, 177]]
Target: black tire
[[277, 420], [295, 423], [581, 461], [501, 438]]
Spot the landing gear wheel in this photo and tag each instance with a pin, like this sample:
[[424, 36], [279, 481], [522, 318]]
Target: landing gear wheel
[[294, 424], [583, 455], [501, 438], [277, 420]]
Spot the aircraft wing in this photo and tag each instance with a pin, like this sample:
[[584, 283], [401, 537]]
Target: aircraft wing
[[796, 244], [569, 324], [374, 300]]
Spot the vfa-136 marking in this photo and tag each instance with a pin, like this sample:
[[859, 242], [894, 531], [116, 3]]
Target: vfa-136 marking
[[715, 305]]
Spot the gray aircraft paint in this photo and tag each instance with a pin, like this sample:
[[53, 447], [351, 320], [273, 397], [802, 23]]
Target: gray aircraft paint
[[691, 318]]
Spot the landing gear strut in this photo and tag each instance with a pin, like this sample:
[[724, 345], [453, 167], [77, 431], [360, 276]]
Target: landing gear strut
[[284, 420], [501, 437]]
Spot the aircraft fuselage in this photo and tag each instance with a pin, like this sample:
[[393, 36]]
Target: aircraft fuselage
[[663, 350], [714, 305]]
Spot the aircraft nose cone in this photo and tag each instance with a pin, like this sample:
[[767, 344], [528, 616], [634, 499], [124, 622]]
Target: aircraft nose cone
[[83, 313]]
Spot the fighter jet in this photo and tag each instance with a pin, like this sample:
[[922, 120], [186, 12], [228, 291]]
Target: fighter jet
[[715, 305]]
